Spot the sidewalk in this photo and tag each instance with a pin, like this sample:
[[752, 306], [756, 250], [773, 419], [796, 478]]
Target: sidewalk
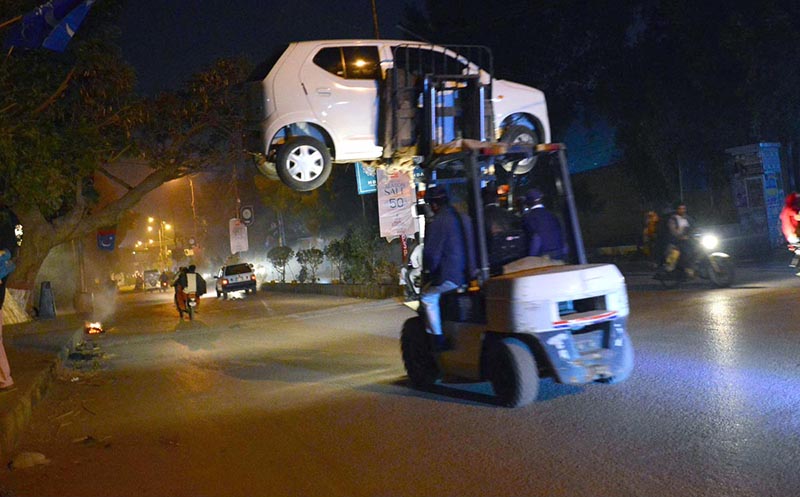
[[35, 351]]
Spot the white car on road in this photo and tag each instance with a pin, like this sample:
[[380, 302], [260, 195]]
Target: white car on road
[[319, 103]]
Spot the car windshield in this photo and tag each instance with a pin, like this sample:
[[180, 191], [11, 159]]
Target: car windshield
[[238, 269]]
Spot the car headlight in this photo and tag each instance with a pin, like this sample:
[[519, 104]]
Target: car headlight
[[710, 242]]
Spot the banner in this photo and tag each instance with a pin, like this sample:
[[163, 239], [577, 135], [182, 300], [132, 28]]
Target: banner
[[396, 199], [106, 238], [365, 179], [238, 233], [51, 25]]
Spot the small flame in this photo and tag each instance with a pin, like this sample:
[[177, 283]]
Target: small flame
[[94, 328]]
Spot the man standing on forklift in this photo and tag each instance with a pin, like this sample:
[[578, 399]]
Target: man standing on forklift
[[448, 258]]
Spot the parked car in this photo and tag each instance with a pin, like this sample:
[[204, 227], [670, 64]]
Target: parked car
[[324, 102], [235, 277]]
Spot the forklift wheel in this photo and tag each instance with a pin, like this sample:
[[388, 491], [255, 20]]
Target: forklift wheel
[[418, 357], [513, 373], [626, 364]]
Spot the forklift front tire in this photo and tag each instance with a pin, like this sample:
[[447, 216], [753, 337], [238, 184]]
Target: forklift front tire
[[418, 356]]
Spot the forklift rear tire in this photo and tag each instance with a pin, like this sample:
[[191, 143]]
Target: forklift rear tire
[[626, 367], [522, 135], [513, 373], [418, 357]]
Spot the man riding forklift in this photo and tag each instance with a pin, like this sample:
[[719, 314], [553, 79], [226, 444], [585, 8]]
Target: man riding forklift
[[448, 257]]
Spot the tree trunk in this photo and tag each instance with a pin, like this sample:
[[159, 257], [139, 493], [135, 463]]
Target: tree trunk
[[41, 236]]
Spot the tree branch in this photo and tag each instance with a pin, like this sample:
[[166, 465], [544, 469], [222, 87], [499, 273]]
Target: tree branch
[[52, 98], [115, 179]]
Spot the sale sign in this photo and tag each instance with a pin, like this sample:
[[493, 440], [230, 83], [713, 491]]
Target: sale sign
[[396, 198]]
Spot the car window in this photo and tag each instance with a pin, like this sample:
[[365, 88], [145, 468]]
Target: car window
[[425, 61], [238, 269], [362, 63], [350, 62], [330, 59]]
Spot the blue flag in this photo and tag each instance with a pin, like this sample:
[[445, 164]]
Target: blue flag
[[106, 238], [51, 25]]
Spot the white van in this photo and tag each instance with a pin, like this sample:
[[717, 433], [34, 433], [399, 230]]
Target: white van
[[320, 102]]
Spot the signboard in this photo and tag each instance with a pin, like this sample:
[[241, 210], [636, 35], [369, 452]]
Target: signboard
[[246, 214], [238, 233], [396, 199], [365, 179]]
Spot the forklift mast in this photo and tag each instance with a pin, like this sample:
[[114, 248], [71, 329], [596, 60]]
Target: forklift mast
[[437, 95]]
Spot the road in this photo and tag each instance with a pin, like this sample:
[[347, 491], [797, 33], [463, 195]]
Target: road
[[277, 394]]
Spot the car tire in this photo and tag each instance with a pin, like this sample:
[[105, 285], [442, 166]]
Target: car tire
[[513, 373], [518, 134], [303, 163], [418, 357]]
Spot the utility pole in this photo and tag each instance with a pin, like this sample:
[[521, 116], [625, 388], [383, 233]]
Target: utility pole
[[375, 21]]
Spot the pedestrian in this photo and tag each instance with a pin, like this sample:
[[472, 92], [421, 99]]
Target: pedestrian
[[8, 249], [448, 258], [545, 236], [649, 236]]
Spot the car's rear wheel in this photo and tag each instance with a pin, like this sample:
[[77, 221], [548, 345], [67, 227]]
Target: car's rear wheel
[[518, 134], [303, 163], [513, 373]]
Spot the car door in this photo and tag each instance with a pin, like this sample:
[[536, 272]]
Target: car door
[[341, 83]]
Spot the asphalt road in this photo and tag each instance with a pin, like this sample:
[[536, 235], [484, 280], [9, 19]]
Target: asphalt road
[[276, 394]]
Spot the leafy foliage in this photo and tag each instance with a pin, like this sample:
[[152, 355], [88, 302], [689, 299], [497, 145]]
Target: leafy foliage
[[310, 260], [279, 257]]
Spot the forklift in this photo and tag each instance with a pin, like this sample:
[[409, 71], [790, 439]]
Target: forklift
[[523, 318]]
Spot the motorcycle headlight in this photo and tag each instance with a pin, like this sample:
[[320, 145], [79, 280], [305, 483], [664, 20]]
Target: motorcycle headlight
[[710, 242]]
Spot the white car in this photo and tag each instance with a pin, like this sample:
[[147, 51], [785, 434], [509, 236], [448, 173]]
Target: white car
[[319, 103]]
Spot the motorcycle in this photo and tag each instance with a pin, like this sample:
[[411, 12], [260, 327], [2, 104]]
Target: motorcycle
[[191, 303], [706, 262]]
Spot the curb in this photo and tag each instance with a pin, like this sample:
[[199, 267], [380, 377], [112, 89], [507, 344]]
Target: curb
[[14, 422]]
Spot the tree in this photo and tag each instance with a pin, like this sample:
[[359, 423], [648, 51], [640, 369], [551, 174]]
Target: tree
[[310, 259], [279, 257], [335, 252], [63, 117]]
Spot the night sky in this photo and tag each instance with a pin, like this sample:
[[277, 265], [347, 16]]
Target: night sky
[[168, 41]]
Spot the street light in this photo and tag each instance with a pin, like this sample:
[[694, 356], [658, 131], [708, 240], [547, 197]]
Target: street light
[[163, 251]]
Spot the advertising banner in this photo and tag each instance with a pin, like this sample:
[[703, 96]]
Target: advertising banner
[[396, 199], [238, 232], [365, 179]]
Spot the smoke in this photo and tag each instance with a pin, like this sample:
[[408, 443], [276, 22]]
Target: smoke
[[104, 304]]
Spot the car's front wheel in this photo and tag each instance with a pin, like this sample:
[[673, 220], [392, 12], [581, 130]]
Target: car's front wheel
[[303, 163]]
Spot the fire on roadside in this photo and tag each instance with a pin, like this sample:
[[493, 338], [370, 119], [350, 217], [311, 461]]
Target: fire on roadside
[[94, 328]]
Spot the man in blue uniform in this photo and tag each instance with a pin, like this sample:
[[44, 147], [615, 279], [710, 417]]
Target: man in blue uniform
[[545, 236], [448, 257]]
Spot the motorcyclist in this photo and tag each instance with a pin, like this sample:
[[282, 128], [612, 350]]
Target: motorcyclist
[[680, 233], [189, 282]]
